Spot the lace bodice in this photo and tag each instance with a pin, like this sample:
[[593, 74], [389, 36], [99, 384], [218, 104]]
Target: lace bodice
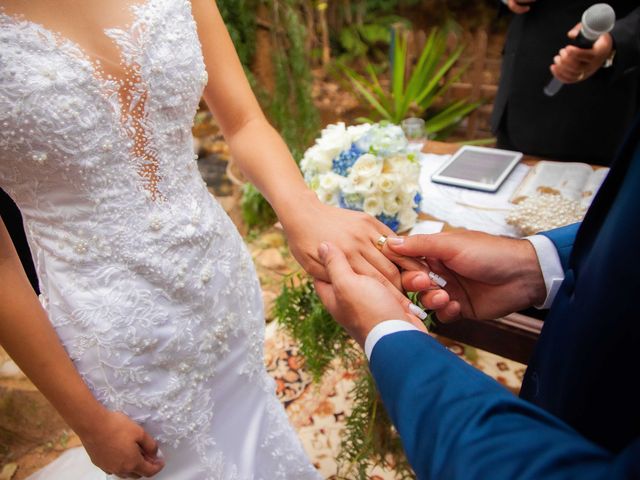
[[73, 136], [144, 277]]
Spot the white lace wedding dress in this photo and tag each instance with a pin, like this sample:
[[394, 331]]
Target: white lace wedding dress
[[143, 275]]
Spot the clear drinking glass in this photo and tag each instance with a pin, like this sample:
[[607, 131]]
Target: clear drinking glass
[[415, 132]]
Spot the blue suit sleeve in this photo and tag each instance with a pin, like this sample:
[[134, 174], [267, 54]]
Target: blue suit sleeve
[[563, 239], [456, 422]]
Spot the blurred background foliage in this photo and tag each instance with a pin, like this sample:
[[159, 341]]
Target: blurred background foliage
[[280, 42]]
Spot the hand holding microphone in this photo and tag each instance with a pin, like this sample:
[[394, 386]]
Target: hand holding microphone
[[593, 46], [574, 64]]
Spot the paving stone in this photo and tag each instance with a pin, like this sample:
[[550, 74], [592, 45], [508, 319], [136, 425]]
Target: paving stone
[[272, 259], [8, 369], [8, 471]]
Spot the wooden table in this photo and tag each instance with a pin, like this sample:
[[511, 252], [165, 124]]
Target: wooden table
[[513, 336]]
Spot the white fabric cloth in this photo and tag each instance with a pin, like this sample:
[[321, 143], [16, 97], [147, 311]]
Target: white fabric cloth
[[551, 267], [146, 280], [383, 329], [470, 209], [74, 463]]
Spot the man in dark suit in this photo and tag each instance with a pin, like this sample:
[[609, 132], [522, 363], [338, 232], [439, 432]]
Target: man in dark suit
[[585, 121], [578, 415]]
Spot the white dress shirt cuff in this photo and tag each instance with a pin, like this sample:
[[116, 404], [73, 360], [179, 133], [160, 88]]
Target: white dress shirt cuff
[[383, 329], [551, 267]]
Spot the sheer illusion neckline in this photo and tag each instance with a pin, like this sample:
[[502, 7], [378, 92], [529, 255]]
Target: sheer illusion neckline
[[80, 51], [129, 87]]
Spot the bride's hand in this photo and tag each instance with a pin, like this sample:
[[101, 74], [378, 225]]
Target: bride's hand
[[119, 446], [355, 233]]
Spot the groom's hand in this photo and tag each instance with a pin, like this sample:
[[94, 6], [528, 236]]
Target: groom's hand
[[357, 302], [488, 276]]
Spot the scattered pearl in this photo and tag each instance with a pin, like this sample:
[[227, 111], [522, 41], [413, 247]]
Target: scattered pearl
[[544, 212], [39, 157]]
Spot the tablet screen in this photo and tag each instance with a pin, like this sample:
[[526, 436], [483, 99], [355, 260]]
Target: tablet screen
[[475, 167], [478, 167]]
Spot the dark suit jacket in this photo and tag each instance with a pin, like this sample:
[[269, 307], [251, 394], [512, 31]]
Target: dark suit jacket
[[584, 122], [579, 412]]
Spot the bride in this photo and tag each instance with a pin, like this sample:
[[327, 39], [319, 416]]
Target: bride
[[148, 334]]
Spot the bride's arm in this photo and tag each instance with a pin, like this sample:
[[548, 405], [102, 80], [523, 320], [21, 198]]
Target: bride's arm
[[112, 440], [265, 159]]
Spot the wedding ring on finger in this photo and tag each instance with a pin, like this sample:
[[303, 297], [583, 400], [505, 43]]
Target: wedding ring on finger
[[380, 242]]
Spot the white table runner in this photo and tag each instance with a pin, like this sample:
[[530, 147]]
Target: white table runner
[[470, 209]]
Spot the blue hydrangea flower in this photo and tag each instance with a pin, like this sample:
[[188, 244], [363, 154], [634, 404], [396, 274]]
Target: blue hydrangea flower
[[344, 161], [417, 200], [391, 222]]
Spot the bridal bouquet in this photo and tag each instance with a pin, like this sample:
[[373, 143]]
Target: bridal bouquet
[[367, 168]]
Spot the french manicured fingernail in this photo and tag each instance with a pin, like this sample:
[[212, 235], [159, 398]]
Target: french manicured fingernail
[[438, 280], [323, 249], [395, 240], [417, 311]]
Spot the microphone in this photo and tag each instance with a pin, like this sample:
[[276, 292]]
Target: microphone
[[596, 20]]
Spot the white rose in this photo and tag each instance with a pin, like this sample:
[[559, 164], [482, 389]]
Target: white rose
[[372, 205], [407, 218], [331, 181], [333, 140], [367, 166], [356, 132], [328, 197], [316, 160], [388, 182], [412, 169], [352, 200], [360, 184], [407, 196], [396, 164], [410, 188], [391, 205]]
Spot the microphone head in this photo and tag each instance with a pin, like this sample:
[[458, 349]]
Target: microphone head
[[597, 19]]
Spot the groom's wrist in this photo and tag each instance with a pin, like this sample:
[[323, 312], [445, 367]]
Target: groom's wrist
[[382, 329]]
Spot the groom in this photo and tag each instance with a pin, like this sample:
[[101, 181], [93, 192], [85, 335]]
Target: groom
[[578, 415]]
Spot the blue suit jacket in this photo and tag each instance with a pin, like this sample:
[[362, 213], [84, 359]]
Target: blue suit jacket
[[579, 412]]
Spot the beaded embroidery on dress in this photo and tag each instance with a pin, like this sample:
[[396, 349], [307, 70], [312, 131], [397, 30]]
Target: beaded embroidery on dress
[[143, 275]]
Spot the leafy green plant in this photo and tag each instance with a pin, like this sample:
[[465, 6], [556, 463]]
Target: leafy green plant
[[290, 106], [240, 20], [417, 95], [369, 40], [321, 340], [369, 439], [256, 211]]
